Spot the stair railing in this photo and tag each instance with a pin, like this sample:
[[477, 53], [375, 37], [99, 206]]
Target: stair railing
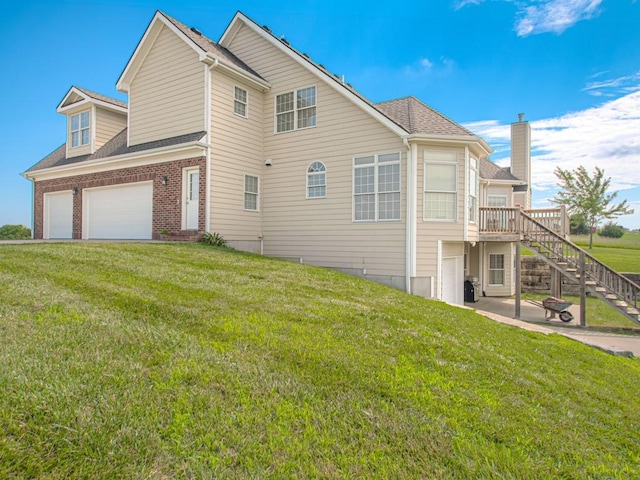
[[567, 252]]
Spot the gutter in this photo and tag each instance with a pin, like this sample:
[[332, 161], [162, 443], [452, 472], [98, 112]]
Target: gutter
[[197, 144]]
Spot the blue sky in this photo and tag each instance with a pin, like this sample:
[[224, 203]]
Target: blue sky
[[572, 66]]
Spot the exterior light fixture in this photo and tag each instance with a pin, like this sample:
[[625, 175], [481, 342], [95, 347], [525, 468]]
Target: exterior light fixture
[[165, 179], [74, 191]]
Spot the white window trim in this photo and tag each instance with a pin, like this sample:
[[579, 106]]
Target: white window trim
[[295, 110], [309, 174], [424, 190], [257, 194], [506, 200], [80, 129], [477, 188], [503, 270], [245, 103], [375, 164]]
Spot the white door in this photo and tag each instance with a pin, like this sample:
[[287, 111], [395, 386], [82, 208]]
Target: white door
[[58, 215], [118, 212], [452, 284], [191, 198]]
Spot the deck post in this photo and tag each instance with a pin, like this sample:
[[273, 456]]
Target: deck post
[[518, 279], [583, 291]]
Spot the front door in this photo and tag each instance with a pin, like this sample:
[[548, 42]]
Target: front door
[[192, 198]]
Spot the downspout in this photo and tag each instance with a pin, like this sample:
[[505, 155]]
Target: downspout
[[208, 126], [410, 233]]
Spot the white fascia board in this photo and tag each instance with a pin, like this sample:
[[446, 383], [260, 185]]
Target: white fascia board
[[231, 31], [127, 160], [87, 99], [234, 71], [481, 146], [493, 181], [150, 34]]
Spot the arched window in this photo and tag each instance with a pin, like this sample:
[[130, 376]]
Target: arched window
[[316, 180]]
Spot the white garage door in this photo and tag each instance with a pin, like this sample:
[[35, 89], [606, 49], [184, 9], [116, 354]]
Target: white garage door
[[452, 284], [58, 215], [118, 212]]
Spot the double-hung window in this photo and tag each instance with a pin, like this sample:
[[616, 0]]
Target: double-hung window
[[251, 192], [440, 186], [80, 129], [376, 188], [496, 269], [240, 100], [316, 180], [296, 109]]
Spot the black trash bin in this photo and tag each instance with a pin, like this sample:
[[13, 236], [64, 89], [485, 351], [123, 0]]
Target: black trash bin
[[469, 291]]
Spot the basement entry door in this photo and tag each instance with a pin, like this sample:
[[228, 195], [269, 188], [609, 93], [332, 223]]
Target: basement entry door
[[58, 215], [452, 283], [121, 212]]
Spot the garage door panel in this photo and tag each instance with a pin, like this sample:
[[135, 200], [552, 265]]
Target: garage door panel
[[58, 215], [452, 283], [120, 211]]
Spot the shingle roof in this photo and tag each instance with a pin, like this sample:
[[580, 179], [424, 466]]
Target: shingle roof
[[416, 117], [103, 98], [208, 45], [491, 171], [114, 147]]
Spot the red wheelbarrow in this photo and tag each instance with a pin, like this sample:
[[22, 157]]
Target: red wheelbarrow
[[554, 305]]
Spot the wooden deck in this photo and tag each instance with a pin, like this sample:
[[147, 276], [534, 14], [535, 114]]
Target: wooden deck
[[504, 224]]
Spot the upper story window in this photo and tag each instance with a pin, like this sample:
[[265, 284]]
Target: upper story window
[[440, 186], [80, 129], [296, 109], [251, 192], [316, 180], [240, 102], [376, 188], [473, 189]]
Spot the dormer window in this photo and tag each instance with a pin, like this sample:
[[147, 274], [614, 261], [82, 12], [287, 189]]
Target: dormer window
[[80, 129]]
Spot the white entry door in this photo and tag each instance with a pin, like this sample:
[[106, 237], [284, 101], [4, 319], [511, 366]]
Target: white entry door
[[452, 284], [191, 194], [118, 212], [58, 215]]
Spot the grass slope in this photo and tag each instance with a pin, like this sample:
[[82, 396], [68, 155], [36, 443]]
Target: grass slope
[[181, 361]]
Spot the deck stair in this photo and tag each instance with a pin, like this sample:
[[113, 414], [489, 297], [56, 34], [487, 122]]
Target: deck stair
[[572, 262]]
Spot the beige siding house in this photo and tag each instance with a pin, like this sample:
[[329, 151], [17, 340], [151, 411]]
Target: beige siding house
[[249, 138]]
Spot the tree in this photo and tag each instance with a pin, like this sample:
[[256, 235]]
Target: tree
[[584, 195], [14, 232], [578, 225]]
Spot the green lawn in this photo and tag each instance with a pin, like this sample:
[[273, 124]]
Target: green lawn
[[621, 254], [182, 361]]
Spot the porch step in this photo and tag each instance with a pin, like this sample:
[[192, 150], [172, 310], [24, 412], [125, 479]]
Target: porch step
[[600, 290], [632, 311], [571, 270], [621, 304], [611, 296]]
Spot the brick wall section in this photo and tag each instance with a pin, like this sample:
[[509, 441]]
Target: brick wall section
[[167, 199]]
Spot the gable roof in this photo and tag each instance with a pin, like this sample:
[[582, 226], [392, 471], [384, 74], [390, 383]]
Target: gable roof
[[113, 148], [79, 96], [208, 51], [417, 117], [307, 63]]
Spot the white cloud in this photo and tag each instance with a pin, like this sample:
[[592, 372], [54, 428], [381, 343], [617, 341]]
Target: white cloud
[[606, 136], [612, 86], [426, 63], [541, 16]]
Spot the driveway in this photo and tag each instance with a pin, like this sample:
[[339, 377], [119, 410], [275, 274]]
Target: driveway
[[502, 309]]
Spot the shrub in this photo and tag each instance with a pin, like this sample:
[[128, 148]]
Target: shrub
[[578, 225], [214, 239], [15, 232], [611, 230]]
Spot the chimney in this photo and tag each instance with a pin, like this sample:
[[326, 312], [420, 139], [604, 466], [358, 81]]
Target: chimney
[[521, 160]]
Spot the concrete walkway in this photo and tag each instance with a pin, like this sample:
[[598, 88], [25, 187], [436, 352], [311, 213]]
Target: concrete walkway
[[502, 309]]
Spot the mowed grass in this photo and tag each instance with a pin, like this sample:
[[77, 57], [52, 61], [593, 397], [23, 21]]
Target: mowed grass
[[182, 361], [621, 254]]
